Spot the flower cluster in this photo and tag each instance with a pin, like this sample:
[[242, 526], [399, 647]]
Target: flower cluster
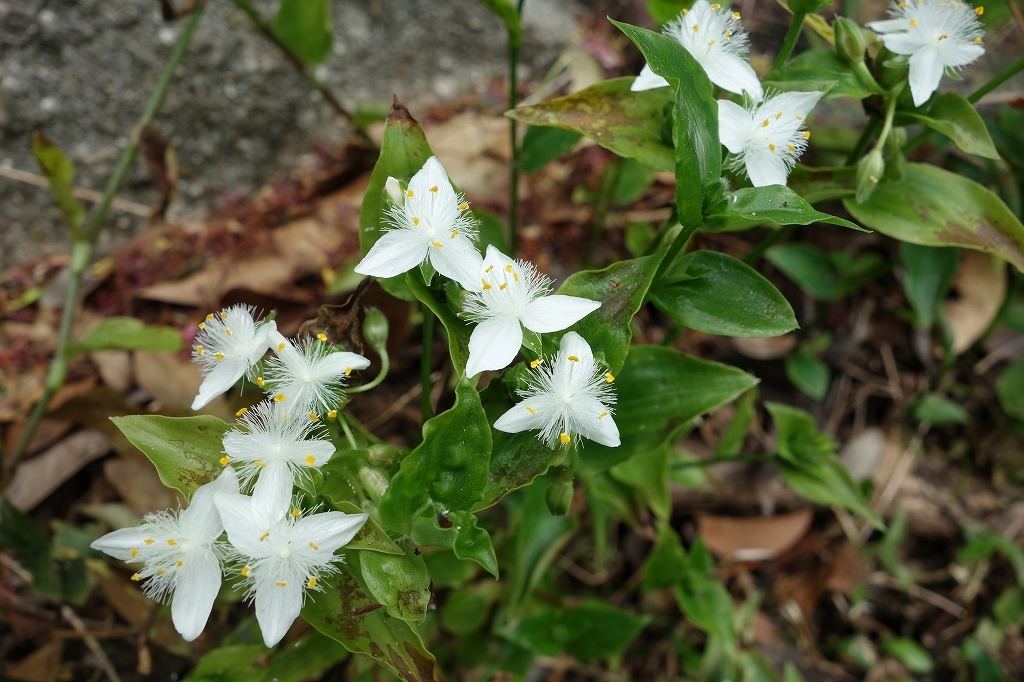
[[429, 221], [279, 551]]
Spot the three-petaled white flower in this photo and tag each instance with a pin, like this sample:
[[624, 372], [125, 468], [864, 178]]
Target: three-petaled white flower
[[285, 558], [514, 295], [311, 374], [570, 398], [273, 450], [716, 39], [766, 139], [227, 346], [936, 34], [426, 221], [180, 555]]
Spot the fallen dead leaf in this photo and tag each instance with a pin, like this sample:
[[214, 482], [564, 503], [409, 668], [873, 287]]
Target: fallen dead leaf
[[36, 478], [765, 349], [47, 433], [862, 454], [845, 569], [140, 486], [42, 665], [127, 599], [753, 538], [174, 382], [981, 284], [115, 368], [474, 149]]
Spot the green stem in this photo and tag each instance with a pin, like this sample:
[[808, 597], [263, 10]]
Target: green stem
[[513, 178], [601, 207], [792, 35], [890, 112], [82, 247], [385, 364], [348, 430], [768, 242], [673, 250], [426, 363], [865, 138], [752, 459]]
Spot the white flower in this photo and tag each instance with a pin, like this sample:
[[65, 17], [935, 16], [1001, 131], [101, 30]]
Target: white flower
[[273, 450], [310, 374], [179, 554], [514, 295], [936, 34], [284, 559], [716, 39], [227, 346], [427, 221], [766, 139], [568, 399]]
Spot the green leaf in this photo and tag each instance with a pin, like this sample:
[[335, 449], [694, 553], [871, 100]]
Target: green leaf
[[371, 537], [910, 653], [1009, 607], [305, 28], [818, 69], [718, 294], [658, 392], [928, 273], [128, 333], [345, 612], [236, 663], [732, 440], [448, 468], [631, 182], [985, 668], [591, 632], [508, 14], [647, 473], [986, 544], [436, 300], [307, 659], [59, 170], [708, 604], [539, 535], [490, 231], [772, 204], [827, 277], [1010, 388], [666, 562], [400, 583], [808, 373], [621, 288], [23, 534], [956, 118], [461, 535], [542, 145], [698, 152], [627, 123], [186, 451], [823, 184], [448, 570], [797, 438], [403, 151], [465, 609], [935, 207], [940, 411], [663, 11]]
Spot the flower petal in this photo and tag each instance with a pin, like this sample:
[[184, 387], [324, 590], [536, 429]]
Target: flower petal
[[648, 80], [765, 168], [329, 530], [243, 531], [494, 258], [397, 251], [431, 175], [556, 312], [202, 518], [902, 43], [791, 103], [319, 450], [272, 494], [338, 364], [196, 587], [119, 544], [222, 378], [732, 73], [533, 413], [261, 341], [926, 70], [590, 424], [575, 345], [277, 606], [493, 345], [734, 125], [887, 25], [457, 259]]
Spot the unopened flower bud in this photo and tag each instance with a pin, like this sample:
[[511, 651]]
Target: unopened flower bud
[[559, 497], [373, 483], [849, 41], [869, 173], [394, 191], [375, 329], [382, 455]]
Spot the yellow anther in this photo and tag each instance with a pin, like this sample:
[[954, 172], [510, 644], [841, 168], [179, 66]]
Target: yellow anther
[[219, 356], [312, 581], [489, 268], [873, 179], [265, 536], [224, 460], [602, 415], [136, 577], [977, 41], [241, 411], [438, 244], [503, 286], [415, 220], [171, 542], [508, 268], [148, 541], [279, 397], [696, 27], [807, 134], [310, 460], [536, 363], [515, 276], [455, 233], [314, 546], [979, 10], [486, 286], [259, 463], [791, 148], [913, 22], [685, 12], [161, 571], [348, 370], [771, 147], [531, 410], [728, 35], [943, 36], [799, 117], [409, 193], [280, 346], [608, 377], [332, 414], [564, 437], [296, 512], [711, 42], [223, 315], [286, 415], [434, 188], [246, 570], [202, 325], [735, 15], [573, 358], [778, 116], [199, 350], [463, 207], [715, 6], [322, 337], [765, 124], [178, 563], [281, 583], [260, 382], [209, 317], [135, 552], [227, 331]]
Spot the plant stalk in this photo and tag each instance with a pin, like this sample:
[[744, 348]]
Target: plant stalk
[[385, 364], [513, 177], [865, 138], [792, 35], [81, 250], [426, 364], [768, 242]]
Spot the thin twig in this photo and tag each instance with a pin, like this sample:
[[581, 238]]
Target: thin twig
[[78, 192], [82, 248], [74, 621]]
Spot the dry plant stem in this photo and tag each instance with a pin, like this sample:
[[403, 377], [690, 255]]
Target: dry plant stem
[[74, 621], [513, 177], [81, 252]]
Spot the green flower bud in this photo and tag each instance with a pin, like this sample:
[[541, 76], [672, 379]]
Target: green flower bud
[[849, 41], [869, 173], [559, 497], [373, 483], [375, 329], [382, 455]]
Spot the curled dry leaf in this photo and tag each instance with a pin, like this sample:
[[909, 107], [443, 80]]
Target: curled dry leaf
[[769, 348], [140, 487], [980, 283], [36, 478], [753, 538]]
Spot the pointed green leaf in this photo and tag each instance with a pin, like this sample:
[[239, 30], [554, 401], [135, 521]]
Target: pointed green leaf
[[808, 373], [459, 533], [186, 451], [234, 663], [306, 659], [928, 274], [647, 474], [305, 28], [666, 563], [591, 632], [128, 333], [818, 69], [399, 582], [827, 277], [956, 118], [772, 204], [59, 170]]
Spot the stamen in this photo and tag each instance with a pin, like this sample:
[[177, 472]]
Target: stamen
[[280, 346], [438, 244], [608, 377], [977, 41], [224, 460], [161, 571], [528, 409], [310, 460], [227, 331], [778, 116], [564, 437], [259, 463], [515, 276], [979, 10], [711, 42], [136, 577], [728, 35], [265, 536], [241, 411], [799, 117], [573, 358], [332, 414], [313, 546], [791, 148], [281, 583], [715, 6], [503, 286], [199, 350], [312, 416], [486, 285], [807, 134], [765, 124], [489, 268], [260, 382], [296, 512], [148, 541], [735, 15], [312, 581], [219, 356], [602, 415], [223, 315], [135, 552], [279, 397], [913, 22], [434, 189], [535, 363], [415, 220], [696, 28], [463, 207], [508, 268], [322, 337], [943, 36], [348, 371], [171, 542], [178, 563], [246, 570], [209, 317], [771, 147], [408, 193], [202, 325], [455, 233]]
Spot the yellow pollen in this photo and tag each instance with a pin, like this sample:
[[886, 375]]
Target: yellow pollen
[[873, 179], [322, 337], [202, 325], [199, 350], [807, 134], [696, 28], [310, 460], [535, 363], [489, 268], [531, 410], [463, 207], [296, 512], [286, 415], [348, 370], [148, 541], [685, 12], [728, 35], [224, 460], [455, 233], [265, 536], [223, 315], [602, 415], [171, 542], [977, 41], [771, 147], [219, 356], [735, 15], [281, 583], [209, 317], [135, 552], [765, 124], [313, 546], [281, 346], [487, 286], [778, 116], [415, 220], [791, 148], [913, 22], [564, 437], [260, 382], [711, 42], [799, 117], [409, 193], [943, 36], [332, 414], [715, 6], [902, 5], [312, 415], [246, 571], [515, 276], [434, 188], [279, 397], [161, 571], [979, 10], [227, 331], [508, 268], [259, 463], [312, 581], [608, 377], [503, 286], [438, 244], [573, 358], [137, 577], [241, 411], [178, 563]]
